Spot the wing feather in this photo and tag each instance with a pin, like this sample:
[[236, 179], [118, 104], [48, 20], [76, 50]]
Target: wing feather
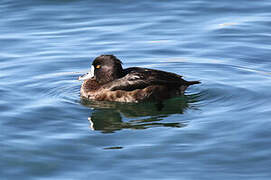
[[139, 78]]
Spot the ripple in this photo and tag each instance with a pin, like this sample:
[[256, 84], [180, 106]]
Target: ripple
[[226, 94], [65, 90], [63, 86]]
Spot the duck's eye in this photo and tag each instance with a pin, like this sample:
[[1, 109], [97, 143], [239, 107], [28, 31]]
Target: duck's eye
[[98, 66]]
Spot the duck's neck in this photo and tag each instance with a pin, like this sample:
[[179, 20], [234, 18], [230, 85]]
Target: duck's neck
[[110, 76]]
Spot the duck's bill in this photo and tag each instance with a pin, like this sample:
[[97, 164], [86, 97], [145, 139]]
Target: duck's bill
[[88, 75]]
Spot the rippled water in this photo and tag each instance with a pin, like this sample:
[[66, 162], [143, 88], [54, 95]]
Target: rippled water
[[219, 130]]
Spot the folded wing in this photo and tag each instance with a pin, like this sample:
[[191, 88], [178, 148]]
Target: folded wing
[[139, 78]]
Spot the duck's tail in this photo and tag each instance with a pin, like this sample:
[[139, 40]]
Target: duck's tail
[[192, 83]]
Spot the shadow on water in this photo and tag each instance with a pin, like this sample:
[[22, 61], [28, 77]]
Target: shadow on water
[[108, 117]]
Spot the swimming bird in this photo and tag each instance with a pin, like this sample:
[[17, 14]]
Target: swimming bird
[[108, 81]]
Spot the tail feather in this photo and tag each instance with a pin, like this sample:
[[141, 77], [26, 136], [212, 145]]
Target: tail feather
[[192, 82]]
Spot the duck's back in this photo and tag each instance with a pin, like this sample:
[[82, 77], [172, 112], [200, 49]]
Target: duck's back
[[139, 78], [153, 76]]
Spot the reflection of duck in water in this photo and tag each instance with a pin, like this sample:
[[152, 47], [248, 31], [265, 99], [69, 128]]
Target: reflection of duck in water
[[112, 116], [108, 81]]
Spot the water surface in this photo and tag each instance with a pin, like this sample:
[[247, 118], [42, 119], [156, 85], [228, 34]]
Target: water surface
[[219, 129]]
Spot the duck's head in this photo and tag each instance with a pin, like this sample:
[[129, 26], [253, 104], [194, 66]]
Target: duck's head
[[104, 69]]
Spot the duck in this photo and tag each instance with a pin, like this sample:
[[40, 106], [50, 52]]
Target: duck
[[108, 81]]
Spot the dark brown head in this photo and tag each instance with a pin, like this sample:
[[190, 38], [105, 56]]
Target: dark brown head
[[104, 69]]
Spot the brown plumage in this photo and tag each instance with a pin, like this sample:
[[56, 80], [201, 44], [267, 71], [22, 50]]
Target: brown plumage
[[108, 81]]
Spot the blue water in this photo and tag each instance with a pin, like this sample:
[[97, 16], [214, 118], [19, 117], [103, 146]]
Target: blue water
[[220, 129]]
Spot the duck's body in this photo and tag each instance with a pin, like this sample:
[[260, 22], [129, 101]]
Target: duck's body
[[109, 82]]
